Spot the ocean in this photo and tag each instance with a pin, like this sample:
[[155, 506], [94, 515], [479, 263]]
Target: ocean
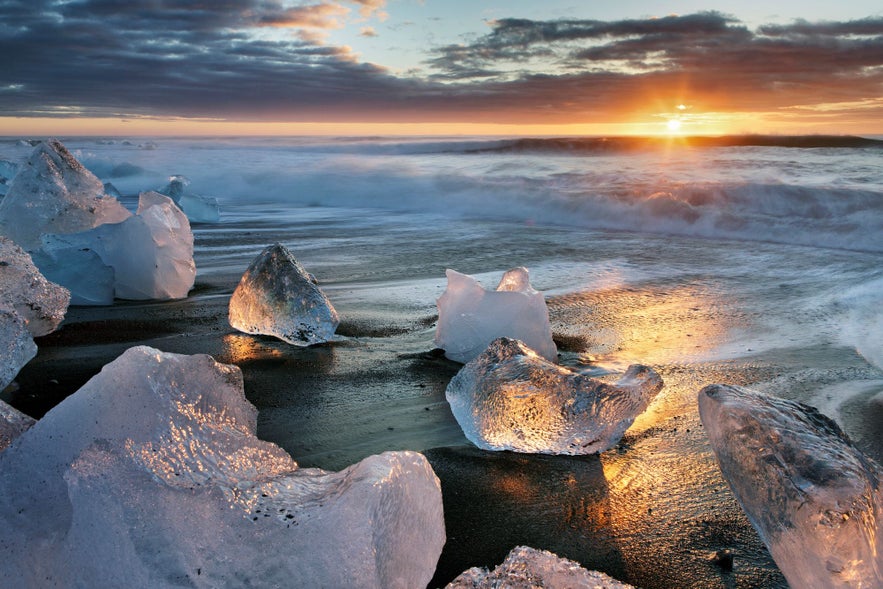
[[755, 261]]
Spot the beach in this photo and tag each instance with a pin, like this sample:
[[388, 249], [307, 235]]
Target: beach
[[679, 286]]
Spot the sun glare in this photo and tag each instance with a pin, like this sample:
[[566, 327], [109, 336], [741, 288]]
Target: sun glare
[[674, 125]]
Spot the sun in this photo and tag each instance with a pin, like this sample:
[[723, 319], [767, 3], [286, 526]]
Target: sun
[[674, 125]]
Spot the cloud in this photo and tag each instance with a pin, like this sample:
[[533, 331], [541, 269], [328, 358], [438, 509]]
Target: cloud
[[225, 59], [367, 32]]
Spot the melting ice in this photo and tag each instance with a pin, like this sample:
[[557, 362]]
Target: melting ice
[[470, 317], [198, 208], [509, 398], [147, 256], [151, 476], [812, 496], [12, 424], [53, 193], [528, 568], [30, 306], [277, 296]]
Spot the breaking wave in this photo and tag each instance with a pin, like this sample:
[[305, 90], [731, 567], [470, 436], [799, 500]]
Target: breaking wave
[[770, 189]]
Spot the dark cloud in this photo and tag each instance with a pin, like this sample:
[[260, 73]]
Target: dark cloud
[[200, 58]]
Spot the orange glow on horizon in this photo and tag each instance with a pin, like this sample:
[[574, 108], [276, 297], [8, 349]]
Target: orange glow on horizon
[[678, 120]]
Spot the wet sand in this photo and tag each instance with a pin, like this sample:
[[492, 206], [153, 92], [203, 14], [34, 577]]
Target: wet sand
[[653, 511]]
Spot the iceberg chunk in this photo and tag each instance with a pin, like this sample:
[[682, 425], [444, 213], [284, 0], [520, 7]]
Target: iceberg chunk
[[151, 476], [68, 260], [529, 568], [12, 423], [509, 398], [23, 289], [149, 254], [17, 347], [812, 496], [198, 208], [54, 193], [276, 296], [470, 317]]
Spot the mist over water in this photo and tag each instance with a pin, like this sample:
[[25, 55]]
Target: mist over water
[[828, 197]]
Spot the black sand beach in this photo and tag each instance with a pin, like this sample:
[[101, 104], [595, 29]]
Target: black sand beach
[[654, 511]]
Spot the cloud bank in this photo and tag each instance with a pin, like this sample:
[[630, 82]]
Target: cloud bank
[[190, 58]]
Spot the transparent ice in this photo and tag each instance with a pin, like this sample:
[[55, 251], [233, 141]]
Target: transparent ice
[[8, 170], [150, 254], [277, 296], [510, 398], [813, 497], [12, 422], [529, 568], [198, 208], [41, 304], [151, 476], [470, 317], [53, 193]]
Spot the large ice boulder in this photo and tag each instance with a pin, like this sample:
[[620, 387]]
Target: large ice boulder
[[277, 296], [40, 303], [12, 424], [151, 476], [529, 568], [53, 193], [813, 497], [470, 317], [149, 255], [198, 208], [510, 398]]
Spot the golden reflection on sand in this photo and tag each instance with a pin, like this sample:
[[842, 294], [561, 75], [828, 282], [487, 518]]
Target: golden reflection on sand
[[239, 348], [650, 324]]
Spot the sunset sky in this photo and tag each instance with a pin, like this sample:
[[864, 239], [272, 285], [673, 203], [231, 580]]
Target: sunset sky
[[440, 67]]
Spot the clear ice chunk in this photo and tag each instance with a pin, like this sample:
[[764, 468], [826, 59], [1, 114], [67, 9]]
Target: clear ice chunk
[[510, 398], [151, 476], [529, 568], [812, 496], [67, 259], [17, 348], [198, 208], [12, 421], [40, 303], [277, 297], [54, 193], [470, 317], [150, 254]]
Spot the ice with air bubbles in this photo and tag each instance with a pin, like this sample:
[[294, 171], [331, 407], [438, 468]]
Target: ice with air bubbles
[[53, 193], [277, 296], [30, 306], [813, 497], [529, 568], [151, 476], [510, 398], [12, 423], [470, 317]]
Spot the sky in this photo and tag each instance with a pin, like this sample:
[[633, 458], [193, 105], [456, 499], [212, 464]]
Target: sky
[[514, 67]]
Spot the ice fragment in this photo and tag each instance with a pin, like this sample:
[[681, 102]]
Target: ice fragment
[[12, 422], [529, 568], [151, 476], [470, 317], [198, 208], [17, 347], [276, 297], [150, 254], [510, 398], [40, 303], [54, 193], [812, 496]]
